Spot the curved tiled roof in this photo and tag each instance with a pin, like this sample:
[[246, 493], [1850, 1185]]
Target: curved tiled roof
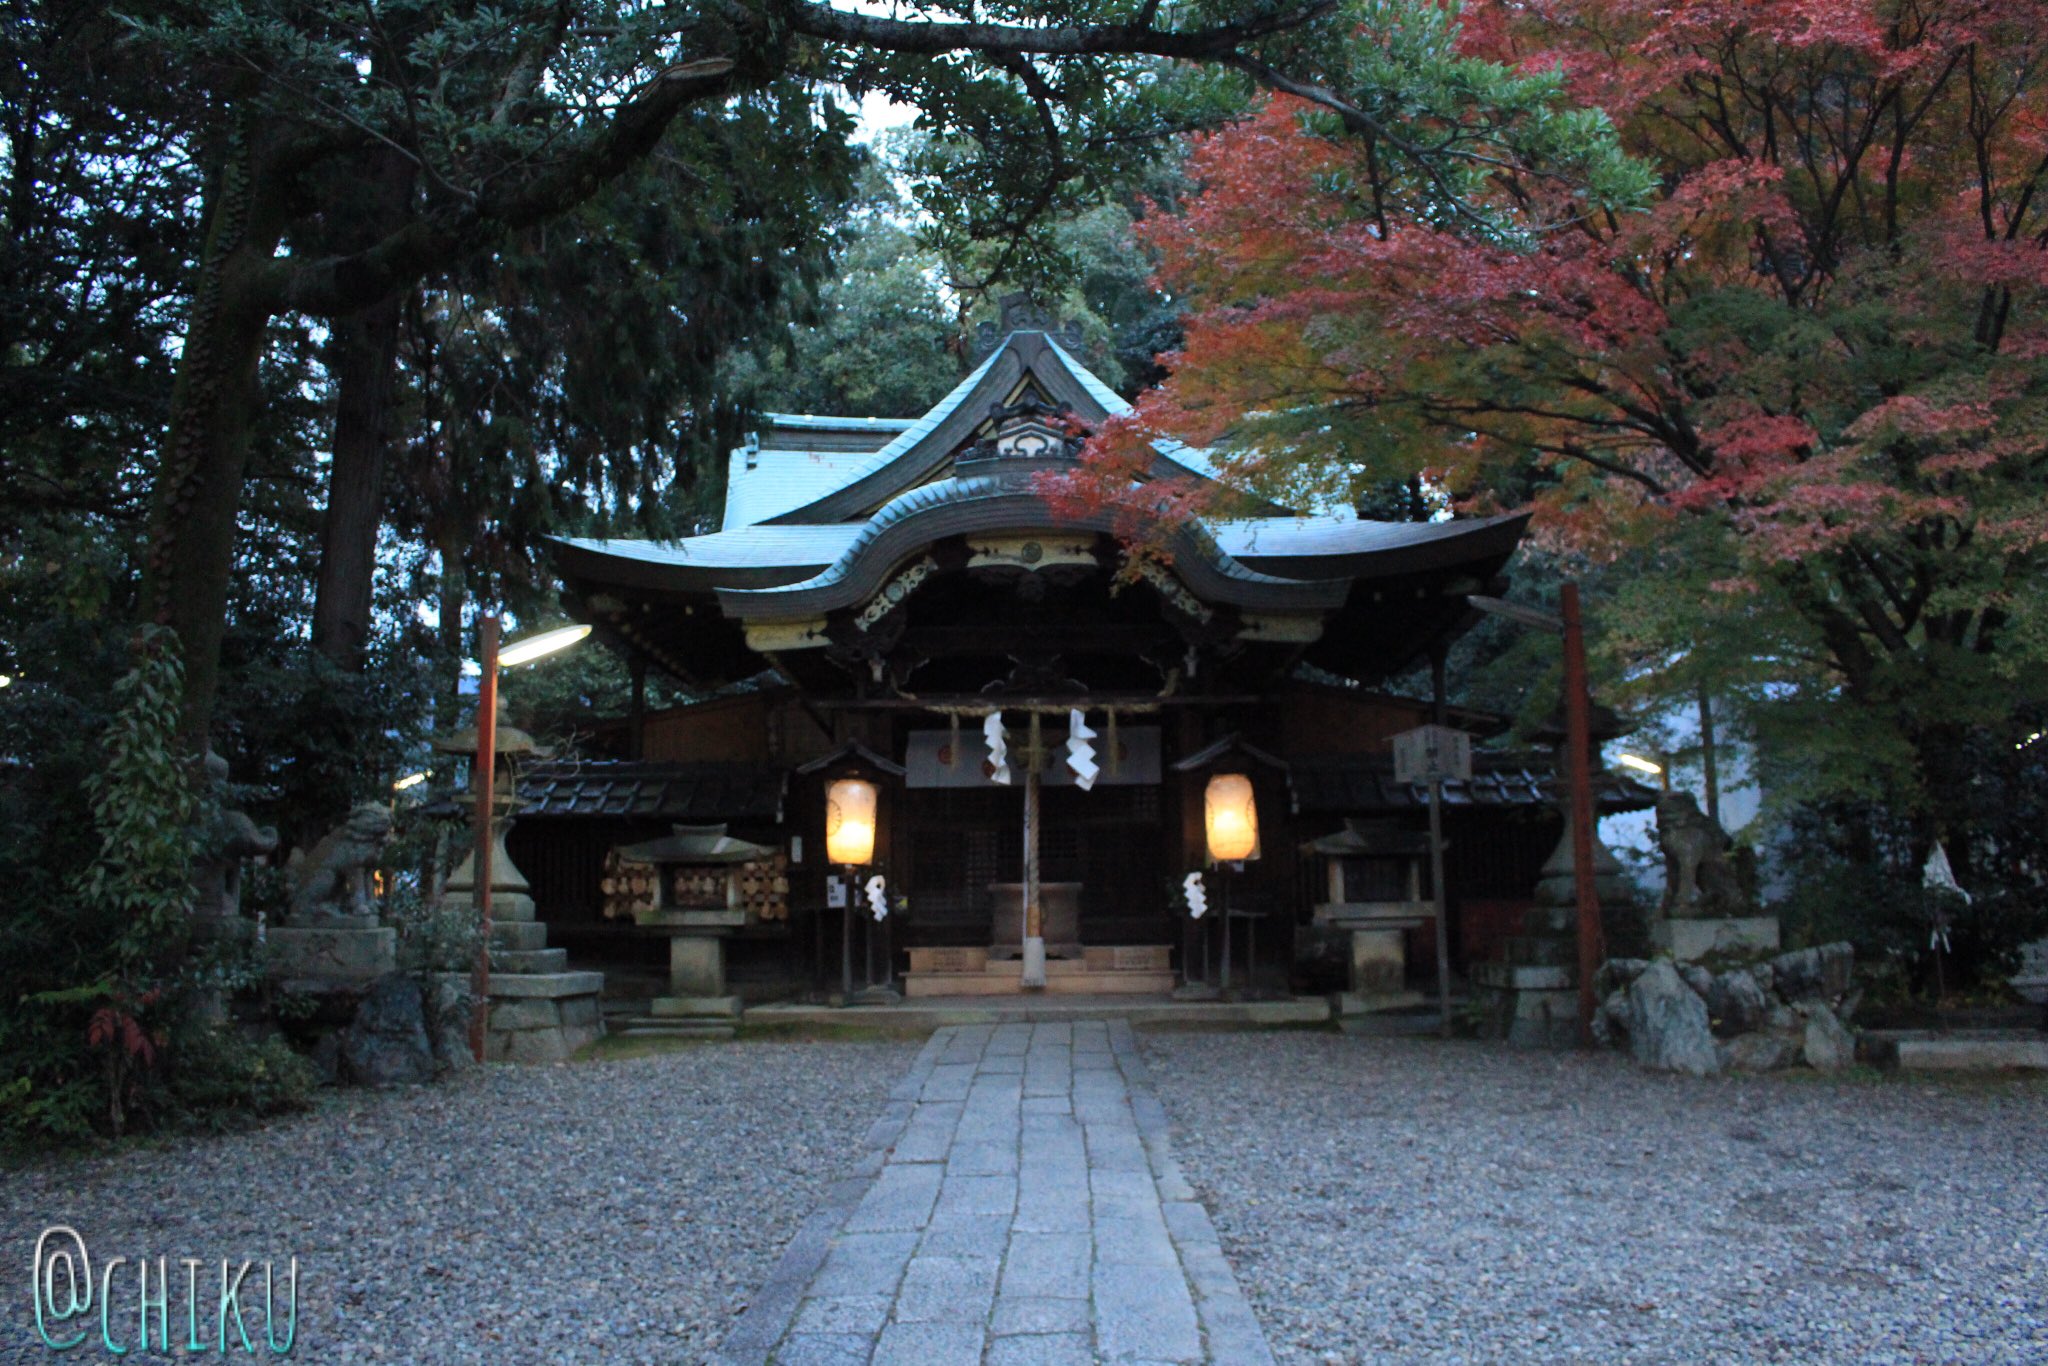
[[981, 503]]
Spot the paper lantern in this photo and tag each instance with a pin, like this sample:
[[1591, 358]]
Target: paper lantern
[[1231, 817], [850, 821]]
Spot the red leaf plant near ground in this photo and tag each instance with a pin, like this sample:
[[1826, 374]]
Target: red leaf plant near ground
[[129, 1048], [1812, 364]]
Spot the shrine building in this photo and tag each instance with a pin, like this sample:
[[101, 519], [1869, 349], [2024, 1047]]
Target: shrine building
[[897, 635]]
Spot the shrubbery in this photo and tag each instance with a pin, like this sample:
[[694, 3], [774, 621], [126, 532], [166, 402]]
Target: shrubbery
[[111, 1019]]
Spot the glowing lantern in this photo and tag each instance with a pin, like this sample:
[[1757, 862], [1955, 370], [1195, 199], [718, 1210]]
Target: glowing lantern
[[850, 821], [1232, 818]]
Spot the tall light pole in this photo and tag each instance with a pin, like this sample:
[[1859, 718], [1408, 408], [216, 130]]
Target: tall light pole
[[483, 776]]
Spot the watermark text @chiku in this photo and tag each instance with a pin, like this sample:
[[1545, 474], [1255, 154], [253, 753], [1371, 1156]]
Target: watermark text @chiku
[[125, 1304]]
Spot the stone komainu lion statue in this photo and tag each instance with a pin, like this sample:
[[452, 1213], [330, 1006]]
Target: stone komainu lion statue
[[1703, 874], [333, 880]]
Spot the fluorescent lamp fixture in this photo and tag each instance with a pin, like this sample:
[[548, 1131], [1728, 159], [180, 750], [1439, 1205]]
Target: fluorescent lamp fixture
[[1638, 763], [535, 647], [409, 780]]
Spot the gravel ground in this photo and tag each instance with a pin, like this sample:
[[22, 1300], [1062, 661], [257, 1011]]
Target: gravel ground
[[1405, 1200], [611, 1211]]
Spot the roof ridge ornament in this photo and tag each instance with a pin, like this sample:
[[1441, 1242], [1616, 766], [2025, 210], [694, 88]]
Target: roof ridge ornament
[[1022, 313]]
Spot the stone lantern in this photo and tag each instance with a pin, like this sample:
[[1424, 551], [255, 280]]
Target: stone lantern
[[539, 1011], [511, 895], [1535, 991]]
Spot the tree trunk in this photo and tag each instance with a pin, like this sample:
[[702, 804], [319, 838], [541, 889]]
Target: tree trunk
[[363, 357], [213, 400]]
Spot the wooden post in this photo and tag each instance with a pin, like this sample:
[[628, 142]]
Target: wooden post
[[636, 742], [846, 942], [1034, 915], [1436, 852], [1579, 765], [1707, 764], [483, 775]]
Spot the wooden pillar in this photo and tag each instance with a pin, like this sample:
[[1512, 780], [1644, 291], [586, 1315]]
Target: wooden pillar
[[1578, 766], [636, 743], [483, 774], [1436, 851], [1034, 914]]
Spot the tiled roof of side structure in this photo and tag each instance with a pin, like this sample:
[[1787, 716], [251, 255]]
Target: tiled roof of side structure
[[666, 791], [904, 440], [774, 480], [750, 547], [1363, 784]]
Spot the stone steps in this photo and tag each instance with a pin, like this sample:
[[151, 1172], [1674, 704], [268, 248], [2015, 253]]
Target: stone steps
[[1989, 1050], [1062, 978], [519, 935], [656, 1027]]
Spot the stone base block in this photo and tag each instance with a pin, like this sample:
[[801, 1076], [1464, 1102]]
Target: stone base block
[[542, 1016], [509, 907], [696, 965], [1370, 1002], [1688, 941], [550, 984], [521, 936], [529, 960], [1534, 1017], [683, 1007], [1379, 962], [1523, 977], [339, 954]]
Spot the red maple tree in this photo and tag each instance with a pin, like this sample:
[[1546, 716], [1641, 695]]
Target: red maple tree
[[1799, 386]]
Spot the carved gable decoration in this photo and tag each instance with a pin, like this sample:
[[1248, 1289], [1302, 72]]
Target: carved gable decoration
[[1031, 429]]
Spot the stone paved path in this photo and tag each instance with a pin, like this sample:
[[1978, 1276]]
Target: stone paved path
[[1017, 1203]]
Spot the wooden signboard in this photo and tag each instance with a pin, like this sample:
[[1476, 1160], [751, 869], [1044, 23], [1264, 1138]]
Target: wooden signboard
[[1432, 754]]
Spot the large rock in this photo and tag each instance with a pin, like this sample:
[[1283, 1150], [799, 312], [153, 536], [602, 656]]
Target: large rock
[[1616, 973], [387, 1044], [447, 1017], [1828, 1046], [1667, 1024], [1736, 1004], [1763, 1052], [1698, 978], [1837, 969], [1822, 973], [1796, 975]]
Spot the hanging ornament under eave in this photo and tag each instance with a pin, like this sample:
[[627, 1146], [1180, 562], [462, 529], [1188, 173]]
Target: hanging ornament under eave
[[998, 747], [1080, 750], [877, 901]]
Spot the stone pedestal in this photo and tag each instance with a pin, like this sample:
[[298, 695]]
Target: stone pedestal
[[349, 949], [696, 979], [542, 1016], [1379, 974], [1688, 941], [1532, 998], [539, 1010], [1535, 1006]]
